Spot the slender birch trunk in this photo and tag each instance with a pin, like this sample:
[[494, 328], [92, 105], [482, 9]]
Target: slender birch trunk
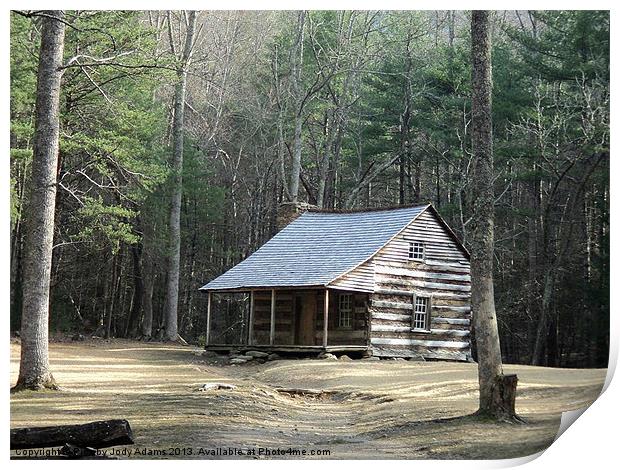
[[34, 369]]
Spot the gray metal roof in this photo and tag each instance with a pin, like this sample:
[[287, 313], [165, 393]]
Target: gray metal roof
[[316, 248]]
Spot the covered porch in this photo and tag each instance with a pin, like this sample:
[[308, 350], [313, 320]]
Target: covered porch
[[303, 320]]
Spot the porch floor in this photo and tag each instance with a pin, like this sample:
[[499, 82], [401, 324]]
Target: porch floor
[[288, 348]]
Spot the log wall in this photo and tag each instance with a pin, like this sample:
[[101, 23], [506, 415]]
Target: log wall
[[443, 276], [360, 279], [355, 335], [287, 314], [284, 317], [391, 309]]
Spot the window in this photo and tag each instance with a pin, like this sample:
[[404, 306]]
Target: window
[[344, 310], [416, 250], [420, 313]]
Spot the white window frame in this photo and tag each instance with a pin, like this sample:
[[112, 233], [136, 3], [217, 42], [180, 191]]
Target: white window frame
[[421, 313], [417, 251], [345, 310]]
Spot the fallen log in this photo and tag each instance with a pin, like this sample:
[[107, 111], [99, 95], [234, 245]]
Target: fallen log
[[96, 435]]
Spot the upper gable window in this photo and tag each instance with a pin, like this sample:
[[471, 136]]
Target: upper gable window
[[416, 250]]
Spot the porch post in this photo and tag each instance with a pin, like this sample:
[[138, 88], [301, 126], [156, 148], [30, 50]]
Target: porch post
[[208, 319], [325, 316], [272, 324], [251, 320]]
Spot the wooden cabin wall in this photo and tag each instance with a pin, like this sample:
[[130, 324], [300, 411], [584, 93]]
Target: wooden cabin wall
[[448, 287], [426, 227], [357, 334], [440, 246], [284, 318], [444, 276], [262, 317], [360, 279]]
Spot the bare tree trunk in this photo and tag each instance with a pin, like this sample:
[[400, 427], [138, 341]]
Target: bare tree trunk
[[367, 179], [148, 275], [174, 256], [34, 370], [325, 160], [538, 357], [532, 244], [280, 103], [147, 320], [16, 273], [403, 159], [497, 392], [116, 275], [555, 258], [298, 54], [405, 126], [334, 162], [133, 321]]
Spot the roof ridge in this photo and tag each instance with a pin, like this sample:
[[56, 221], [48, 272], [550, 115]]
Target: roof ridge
[[367, 209]]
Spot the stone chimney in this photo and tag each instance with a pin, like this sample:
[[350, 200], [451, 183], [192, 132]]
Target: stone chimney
[[289, 211]]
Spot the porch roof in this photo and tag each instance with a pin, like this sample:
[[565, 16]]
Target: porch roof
[[316, 248]]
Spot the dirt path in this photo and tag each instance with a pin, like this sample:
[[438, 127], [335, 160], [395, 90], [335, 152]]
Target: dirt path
[[386, 409]]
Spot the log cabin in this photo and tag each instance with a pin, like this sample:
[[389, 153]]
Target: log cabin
[[388, 283]]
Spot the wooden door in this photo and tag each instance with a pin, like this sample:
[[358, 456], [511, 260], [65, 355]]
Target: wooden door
[[306, 318]]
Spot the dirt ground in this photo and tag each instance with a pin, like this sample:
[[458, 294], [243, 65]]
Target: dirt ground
[[372, 409]]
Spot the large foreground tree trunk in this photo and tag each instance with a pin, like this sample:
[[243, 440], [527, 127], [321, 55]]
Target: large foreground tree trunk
[[174, 255], [497, 392], [34, 370]]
